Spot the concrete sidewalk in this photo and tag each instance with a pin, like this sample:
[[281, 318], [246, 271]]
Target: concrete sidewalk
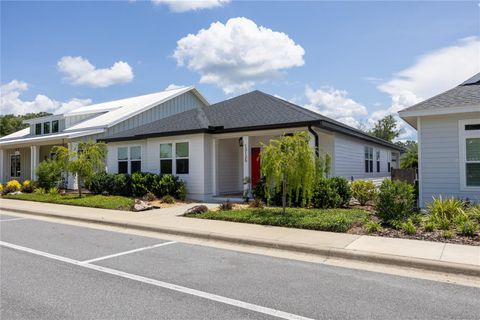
[[450, 258]]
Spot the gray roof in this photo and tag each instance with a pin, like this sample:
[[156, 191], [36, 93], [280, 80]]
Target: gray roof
[[465, 95], [251, 111]]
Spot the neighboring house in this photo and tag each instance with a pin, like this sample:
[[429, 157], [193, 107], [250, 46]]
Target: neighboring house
[[448, 127], [213, 148]]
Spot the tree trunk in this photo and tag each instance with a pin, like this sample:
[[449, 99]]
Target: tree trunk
[[79, 184], [284, 195]]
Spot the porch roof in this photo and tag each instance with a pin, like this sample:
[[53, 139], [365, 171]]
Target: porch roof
[[50, 137]]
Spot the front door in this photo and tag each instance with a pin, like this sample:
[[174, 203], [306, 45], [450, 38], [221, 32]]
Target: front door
[[255, 164]]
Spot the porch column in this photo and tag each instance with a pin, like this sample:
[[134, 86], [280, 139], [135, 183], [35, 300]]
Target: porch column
[[246, 164], [34, 161], [72, 182], [2, 169], [214, 166]]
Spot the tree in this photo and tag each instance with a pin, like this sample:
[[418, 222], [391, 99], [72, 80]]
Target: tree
[[410, 158], [10, 123], [289, 165], [386, 129], [409, 144], [88, 160]]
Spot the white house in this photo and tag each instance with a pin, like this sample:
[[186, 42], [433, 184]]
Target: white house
[[448, 127], [213, 148]]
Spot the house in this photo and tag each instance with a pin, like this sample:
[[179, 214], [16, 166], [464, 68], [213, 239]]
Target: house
[[448, 127], [214, 148]]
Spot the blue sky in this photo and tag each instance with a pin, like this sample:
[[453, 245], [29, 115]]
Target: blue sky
[[354, 61]]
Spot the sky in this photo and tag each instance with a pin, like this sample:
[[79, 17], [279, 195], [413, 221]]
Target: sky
[[354, 61]]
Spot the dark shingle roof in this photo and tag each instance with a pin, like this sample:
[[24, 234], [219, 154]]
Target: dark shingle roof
[[464, 95], [250, 111]]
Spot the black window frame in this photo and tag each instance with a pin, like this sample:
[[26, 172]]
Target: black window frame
[[15, 166], [55, 126], [46, 128], [37, 127]]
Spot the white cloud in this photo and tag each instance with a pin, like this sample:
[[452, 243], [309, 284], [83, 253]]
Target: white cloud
[[173, 86], [238, 54], [189, 5], [433, 73], [11, 103], [335, 104], [80, 71]]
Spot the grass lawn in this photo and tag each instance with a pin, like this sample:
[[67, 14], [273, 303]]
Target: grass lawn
[[94, 201], [335, 220]]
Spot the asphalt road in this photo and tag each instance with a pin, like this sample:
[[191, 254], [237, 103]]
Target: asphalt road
[[58, 271]]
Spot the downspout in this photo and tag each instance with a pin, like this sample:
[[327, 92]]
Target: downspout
[[315, 135]]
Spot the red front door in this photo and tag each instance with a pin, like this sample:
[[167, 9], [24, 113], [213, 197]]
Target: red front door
[[255, 161]]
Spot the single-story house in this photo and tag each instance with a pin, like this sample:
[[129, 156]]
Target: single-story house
[[214, 148], [448, 127]]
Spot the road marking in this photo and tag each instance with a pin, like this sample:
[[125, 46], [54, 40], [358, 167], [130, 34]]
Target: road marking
[[130, 251], [13, 219], [162, 284]]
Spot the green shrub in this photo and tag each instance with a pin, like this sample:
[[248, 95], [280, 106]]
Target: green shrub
[[447, 234], [395, 200], [121, 185], [167, 199], [225, 206], [53, 191], [417, 219], [325, 195], [468, 228], [342, 186], [409, 228], [139, 184], [446, 211], [149, 196], [40, 191], [364, 191], [49, 174], [373, 227], [256, 203], [181, 191], [473, 213], [429, 226], [100, 183], [28, 186], [12, 186]]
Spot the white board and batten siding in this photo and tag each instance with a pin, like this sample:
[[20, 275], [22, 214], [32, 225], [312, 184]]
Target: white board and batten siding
[[349, 158], [440, 157]]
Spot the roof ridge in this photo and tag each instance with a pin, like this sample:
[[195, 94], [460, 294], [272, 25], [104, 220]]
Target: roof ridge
[[294, 106]]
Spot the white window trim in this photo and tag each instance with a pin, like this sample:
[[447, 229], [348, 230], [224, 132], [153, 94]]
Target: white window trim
[[129, 158], [462, 136], [372, 158], [174, 156]]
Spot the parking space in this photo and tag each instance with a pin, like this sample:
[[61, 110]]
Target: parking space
[[180, 280]]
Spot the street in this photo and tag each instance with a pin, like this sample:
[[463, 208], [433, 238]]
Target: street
[[59, 271]]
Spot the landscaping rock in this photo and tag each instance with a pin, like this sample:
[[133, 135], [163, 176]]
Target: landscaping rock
[[15, 192], [141, 205], [197, 209]]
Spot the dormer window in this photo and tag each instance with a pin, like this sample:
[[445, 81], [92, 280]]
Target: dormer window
[[46, 127], [54, 126], [38, 128]]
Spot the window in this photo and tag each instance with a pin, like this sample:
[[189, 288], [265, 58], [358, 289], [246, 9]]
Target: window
[[469, 136], [46, 127], [166, 155], [135, 159], [368, 159], [15, 170], [129, 159], [389, 167], [54, 126], [181, 155], [38, 128], [378, 160], [122, 154]]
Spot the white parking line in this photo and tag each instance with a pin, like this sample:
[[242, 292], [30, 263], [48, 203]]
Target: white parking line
[[162, 284], [130, 251], [13, 219]]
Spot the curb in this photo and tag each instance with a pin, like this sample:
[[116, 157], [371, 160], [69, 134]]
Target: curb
[[328, 252]]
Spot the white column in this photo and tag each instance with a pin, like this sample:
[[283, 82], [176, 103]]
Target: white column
[[214, 166], [2, 169], [72, 179], [246, 163], [34, 161]]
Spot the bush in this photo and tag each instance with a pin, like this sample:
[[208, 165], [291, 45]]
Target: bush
[[181, 191], [473, 213], [225, 206], [395, 200], [53, 191], [12, 186], [343, 189], [409, 228], [1, 188], [325, 195], [468, 228], [100, 183], [28, 186], [373, 227], [121, 185], [40, 191], [256, 203], [447, 234], [168, 199], [429, 226], [149, 196], [140, 183], [364, 191], [446, 212], [49, 174]]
